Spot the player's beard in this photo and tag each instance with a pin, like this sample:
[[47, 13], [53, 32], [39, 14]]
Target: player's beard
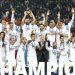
[[55, 47]]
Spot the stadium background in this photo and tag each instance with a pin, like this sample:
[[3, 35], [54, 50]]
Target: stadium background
[[35, 5]]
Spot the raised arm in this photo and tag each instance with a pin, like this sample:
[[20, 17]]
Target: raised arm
[[23, 19], [32, 15], [47, 16], [12, 16], [7, 12], [72, 20], [58, 16]]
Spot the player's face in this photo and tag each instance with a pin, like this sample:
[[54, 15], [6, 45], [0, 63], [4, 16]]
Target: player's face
[[1, 35], [54, 44], [41, 27], [27, 21], [62, 39], [66, 20], [24, 40], [40, 22], [42, 38], [73, 40], [59, 26], [12, 41], [11, 26], [3, 22], [33, 37], [52, 24]]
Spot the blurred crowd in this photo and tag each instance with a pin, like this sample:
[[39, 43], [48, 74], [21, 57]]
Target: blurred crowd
[[37, 32], [35, 5]]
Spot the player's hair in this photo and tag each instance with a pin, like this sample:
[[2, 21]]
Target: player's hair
[[22, 39], [3, 38], [61, 36]]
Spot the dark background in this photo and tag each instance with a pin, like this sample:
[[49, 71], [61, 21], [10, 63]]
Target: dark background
[[36, 6]]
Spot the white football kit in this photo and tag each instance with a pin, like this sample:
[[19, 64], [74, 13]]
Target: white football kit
[[72, 52], [27, 29], [51, 37], [32, 56]]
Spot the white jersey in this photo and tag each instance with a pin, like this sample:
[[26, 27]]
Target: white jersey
[[11, 53], [27, 29], [17, 28], [63, 58], [39, 33], [51, 38], [64, 49], [20, 55], [43, 32], [32, 57], [68, 27], [34, 27], [52, 53], [63, 52], [1, 27], [20, 58], [58, 32], [2, 52], [72, 52], [12, 33]]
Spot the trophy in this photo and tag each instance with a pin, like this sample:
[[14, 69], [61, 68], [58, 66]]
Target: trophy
[[27, 4]]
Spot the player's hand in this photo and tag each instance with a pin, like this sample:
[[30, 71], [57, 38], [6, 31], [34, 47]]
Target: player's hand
[[48, 12], [7, 12], [72, 10], [13, 11], [58, 14], [24, 12]]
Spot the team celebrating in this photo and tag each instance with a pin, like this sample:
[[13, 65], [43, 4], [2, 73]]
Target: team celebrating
[[30, 40]]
